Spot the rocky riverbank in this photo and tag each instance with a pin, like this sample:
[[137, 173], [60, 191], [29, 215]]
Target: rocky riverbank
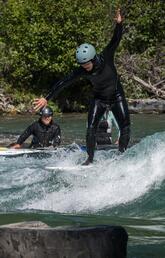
[[7, 105], [147, 106]]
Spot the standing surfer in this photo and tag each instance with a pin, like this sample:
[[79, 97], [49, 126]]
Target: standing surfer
[[100, 70]]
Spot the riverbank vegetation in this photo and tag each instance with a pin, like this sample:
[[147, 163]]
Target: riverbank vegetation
[[38, 41]]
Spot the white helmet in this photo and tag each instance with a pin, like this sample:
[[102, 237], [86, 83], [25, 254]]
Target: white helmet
[[84, 53]]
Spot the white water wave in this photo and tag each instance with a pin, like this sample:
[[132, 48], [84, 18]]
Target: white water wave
[[110, 182]]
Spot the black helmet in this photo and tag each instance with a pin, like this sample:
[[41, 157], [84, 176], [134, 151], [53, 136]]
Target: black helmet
[[46, 111]]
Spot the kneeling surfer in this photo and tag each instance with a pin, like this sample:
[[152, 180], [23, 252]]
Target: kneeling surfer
[[45, 131]]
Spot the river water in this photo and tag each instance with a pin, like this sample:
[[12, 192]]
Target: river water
[[126, 190]]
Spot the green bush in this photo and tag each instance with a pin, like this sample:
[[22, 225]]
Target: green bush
[[38, 40]]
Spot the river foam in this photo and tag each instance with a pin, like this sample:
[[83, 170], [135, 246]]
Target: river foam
[[114, 180]]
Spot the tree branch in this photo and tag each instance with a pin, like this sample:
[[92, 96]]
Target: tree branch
[[151, 88]]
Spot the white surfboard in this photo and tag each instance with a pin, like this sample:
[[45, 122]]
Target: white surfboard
[[68, 168], [15, 152], [4, 151]]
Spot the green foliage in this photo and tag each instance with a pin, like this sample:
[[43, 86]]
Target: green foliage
[[20, 98], [145, 25], [38, 40], [55, 107], [41, 37]]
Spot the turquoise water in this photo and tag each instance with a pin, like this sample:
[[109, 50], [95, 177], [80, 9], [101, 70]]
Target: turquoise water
[[125, 190]]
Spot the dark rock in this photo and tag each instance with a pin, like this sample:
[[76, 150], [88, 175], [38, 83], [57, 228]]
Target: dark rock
[[37, 240]]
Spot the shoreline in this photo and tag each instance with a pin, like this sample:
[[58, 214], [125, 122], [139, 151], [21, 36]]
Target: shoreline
[[136, 106], [146, 106]]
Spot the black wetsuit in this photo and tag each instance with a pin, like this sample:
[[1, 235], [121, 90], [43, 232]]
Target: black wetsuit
[[107, 92], [43, 135]]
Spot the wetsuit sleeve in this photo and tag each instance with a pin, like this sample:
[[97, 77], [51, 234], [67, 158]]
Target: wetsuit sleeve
[[67, 81], [57, 137], [25, 134], [113, 44]]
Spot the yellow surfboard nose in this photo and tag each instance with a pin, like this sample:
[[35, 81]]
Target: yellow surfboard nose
[[3, 148]]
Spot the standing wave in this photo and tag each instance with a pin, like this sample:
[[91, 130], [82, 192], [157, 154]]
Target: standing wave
[[115, 183]]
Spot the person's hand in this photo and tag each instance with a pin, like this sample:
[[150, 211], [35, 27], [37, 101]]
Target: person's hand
[[39, 103], [118, 18], [15, 146]]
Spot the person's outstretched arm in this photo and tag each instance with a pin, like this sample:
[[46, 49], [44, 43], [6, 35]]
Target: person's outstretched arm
[[117, 35], [22, 138], [58, 87]]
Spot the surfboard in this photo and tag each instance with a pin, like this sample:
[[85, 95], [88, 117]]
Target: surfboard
[[68, 168], [101, 147], [44, 152], [15, 152], [6, 151]]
